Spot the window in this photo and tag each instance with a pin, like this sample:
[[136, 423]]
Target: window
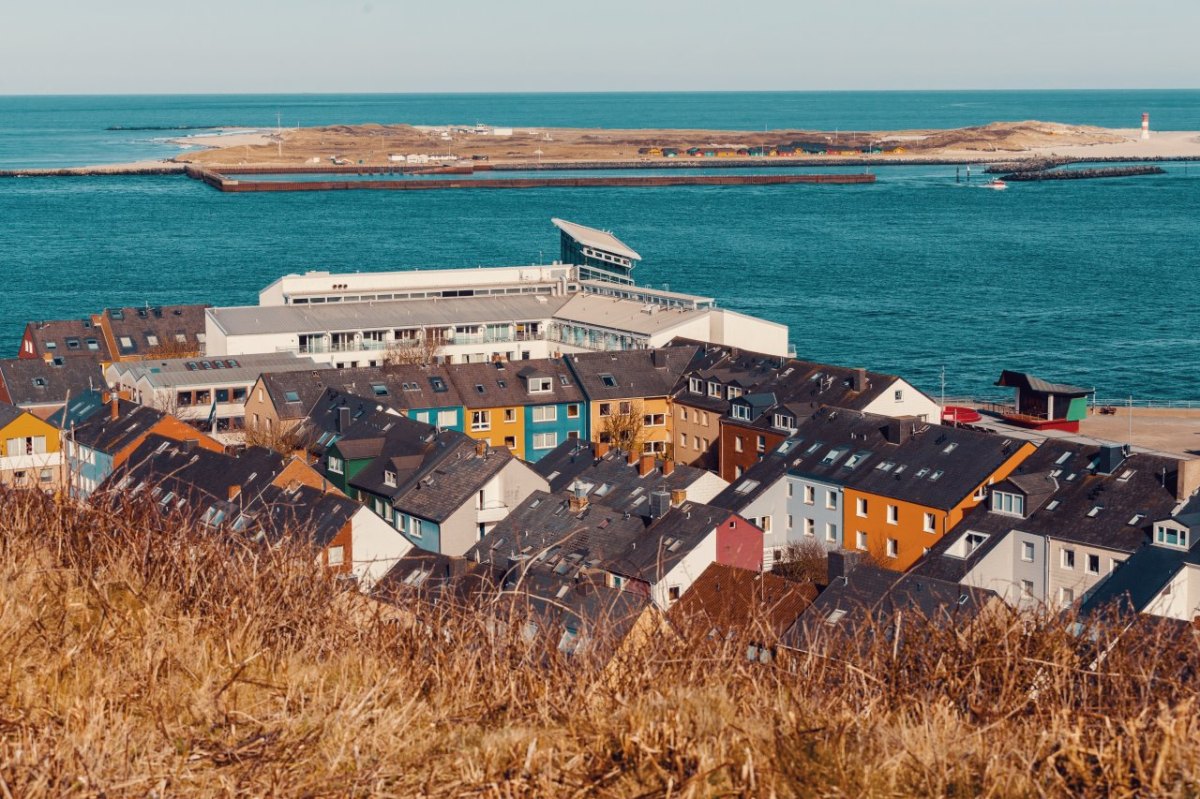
[[1170, 536], [1068, 558], [481, 420], [810, 495], [784, 422], [608, 380], [673, 593], [336, 464], [930, 523], [545, 413], [1027, 588], [737, 443], [810, 527], [336, 555], [437, 384], [893, 548], [379, 389], [93, 345], [447, 418], [654, 420], [714, 390], [545, 440], [831, 500], [1009, 504], [761, 444], [1066, 596], [605, 409], [860, 540], [152, 340], [893, 514], [740, 411], [414, 528], [683, 440], [695, 385], [510, 415], [541, 385], [1027, 551], [831, 532], [389, 479], [572, 411], [898, 395], [765, 524], [126, 343], [1093, 564], [861, 507]]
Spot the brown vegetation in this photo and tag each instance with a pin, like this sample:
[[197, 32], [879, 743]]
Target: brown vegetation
[[143, 658]]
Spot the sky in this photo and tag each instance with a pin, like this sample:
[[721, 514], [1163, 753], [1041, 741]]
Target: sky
[[236, 46]]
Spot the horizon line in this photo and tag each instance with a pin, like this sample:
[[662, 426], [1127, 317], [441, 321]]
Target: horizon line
[[467, 92]]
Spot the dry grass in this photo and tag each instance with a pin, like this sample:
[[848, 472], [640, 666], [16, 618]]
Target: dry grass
[[141, 658]]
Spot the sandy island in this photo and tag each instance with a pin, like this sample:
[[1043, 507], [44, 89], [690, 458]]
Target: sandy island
[[379, 145]]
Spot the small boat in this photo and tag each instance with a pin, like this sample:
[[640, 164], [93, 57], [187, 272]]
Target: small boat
[[997, 184]]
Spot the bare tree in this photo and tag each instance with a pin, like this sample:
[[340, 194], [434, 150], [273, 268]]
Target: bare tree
[[285, 440], [625, 428], [420, 351], [173, 348], [803, 562]]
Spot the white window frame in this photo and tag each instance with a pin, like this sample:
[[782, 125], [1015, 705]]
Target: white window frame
[[545, 440], [545, 413], [481, 420]]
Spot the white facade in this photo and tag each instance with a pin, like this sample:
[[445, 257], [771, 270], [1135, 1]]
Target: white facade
[[903, 399], [686, 571], [375, 546]]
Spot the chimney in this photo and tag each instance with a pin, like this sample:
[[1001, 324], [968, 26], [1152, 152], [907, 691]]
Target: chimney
[[632, 458], [658, 359], [668, 467], [646, 465], [187, 445], [841, 563], [859, 380], [115, 407], [1110, 458], [578, 501], [898, 430], [1187, 479], [602, 448], [481, 448], [660, 503], [343, 419], [234, 491], [678, 497]]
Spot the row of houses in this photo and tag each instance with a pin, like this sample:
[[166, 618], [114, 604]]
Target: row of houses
[[789, 150]]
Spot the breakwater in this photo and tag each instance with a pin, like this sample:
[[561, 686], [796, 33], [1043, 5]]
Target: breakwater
[[1084, 174], [225, 183]]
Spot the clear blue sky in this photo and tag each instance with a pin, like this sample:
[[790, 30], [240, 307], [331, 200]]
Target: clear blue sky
[[117, 46]]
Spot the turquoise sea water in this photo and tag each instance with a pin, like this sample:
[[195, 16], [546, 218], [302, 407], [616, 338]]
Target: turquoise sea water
[[1088, 282]]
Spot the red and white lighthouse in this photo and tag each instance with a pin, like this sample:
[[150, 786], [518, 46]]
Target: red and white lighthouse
[[1145, 126]]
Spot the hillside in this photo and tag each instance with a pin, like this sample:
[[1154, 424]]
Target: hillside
[[141, 659]]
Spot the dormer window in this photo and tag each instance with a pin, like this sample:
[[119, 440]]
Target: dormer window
[[714, 390], [785, 422], [1169, 535], [1008, 504], [695, 385], [389, 478], [540, 385], [733, 392], [740, 411]]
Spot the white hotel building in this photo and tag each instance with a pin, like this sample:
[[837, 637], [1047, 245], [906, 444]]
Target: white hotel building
[[475, 315]]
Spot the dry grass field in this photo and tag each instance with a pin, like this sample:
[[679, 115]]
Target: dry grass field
[[140, 657]]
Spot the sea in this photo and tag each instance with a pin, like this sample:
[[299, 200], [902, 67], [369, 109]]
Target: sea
[[920, 274]]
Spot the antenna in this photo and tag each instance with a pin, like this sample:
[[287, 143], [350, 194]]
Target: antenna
[[1129, 410]]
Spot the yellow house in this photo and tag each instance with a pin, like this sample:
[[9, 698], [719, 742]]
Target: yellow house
[[629, 394], [494, 398], [30, 451]]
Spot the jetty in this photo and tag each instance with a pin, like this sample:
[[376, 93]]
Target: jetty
[[1084, 174], [227, 181]]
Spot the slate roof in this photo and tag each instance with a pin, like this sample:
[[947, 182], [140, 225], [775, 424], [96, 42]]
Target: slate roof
[[726, 598], [322, 426], [9, 414], [196, 483], [619, 483], [438, 579], [868, 596], [70, 338], [599, 537], [448, 482], [1026, 381], [507, 383], [1137, 491], [34, 382], [80, 407], [101, 432], [166, 322], [403, 387], [633, 373], [934, 466]]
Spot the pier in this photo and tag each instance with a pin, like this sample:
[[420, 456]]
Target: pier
[[227, 181], [1084, 174]]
